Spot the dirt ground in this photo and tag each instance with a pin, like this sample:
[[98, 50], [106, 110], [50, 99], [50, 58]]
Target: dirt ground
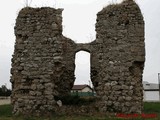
[[5, 101]]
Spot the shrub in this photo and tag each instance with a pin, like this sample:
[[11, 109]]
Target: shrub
[[74, 100]]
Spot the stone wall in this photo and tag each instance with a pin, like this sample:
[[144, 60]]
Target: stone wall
[[117, 58], [43, 63]]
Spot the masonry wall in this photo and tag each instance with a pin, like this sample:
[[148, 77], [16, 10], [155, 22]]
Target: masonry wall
[[117, 58], [43, 62]]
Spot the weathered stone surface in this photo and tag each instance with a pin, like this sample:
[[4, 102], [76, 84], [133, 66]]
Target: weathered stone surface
[[59, 103], [120, 40], [43, 63]]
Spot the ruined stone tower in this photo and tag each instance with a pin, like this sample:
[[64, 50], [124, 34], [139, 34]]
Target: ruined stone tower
[[43, 63]]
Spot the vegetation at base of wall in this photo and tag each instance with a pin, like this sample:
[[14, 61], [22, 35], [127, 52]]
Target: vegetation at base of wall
[[149, 107], [75, 100]]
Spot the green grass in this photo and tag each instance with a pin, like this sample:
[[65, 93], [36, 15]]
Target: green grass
[[5, 111], [152, 107], [149, 108]]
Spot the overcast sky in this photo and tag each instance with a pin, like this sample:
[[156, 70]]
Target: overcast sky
[[79, 17]]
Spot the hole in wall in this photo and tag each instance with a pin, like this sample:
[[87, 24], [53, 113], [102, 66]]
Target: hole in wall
[[83, 85], [82, 69], [82, 92]]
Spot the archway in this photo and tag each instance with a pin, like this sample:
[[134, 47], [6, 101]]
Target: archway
[[82, 85], [82, 70]]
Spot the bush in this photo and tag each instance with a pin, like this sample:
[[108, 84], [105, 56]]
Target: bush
[[74, 100], [5, 93]]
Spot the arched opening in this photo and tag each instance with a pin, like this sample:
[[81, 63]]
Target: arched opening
[[82, 85], [82, 70], [82, 92]]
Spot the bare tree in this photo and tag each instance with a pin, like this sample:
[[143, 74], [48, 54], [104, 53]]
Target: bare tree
[[90, 37], [54, 3], [4, 88], [27, 3]]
